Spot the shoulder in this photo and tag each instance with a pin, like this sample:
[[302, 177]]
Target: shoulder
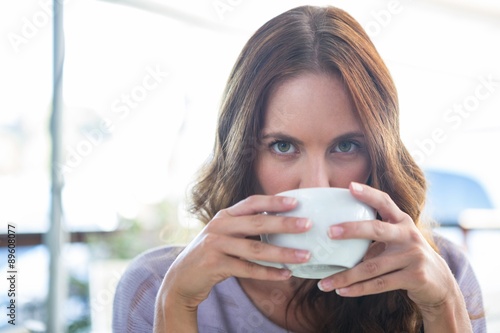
[[457, 260], [149, 266], [452, 253], [459, 264], [133, 306], [153, 262]]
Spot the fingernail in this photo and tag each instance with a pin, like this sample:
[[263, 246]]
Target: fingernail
[[303, 255], [341, 291], [325, 285], [289, 201], [335, 231], [286, 273], [357, 187], [303, 223]]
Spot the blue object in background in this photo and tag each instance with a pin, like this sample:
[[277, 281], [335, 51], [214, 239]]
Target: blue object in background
[[449, 194]]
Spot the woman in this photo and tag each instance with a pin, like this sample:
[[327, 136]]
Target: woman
[[309, 103]]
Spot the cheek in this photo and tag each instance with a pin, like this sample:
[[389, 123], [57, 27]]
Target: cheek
[[361, 172], [271, 177], [353, 172]]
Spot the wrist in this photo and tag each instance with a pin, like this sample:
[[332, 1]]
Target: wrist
[[448, 316], [173, 315]]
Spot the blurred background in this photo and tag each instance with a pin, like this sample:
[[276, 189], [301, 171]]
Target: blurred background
[[141, 86]]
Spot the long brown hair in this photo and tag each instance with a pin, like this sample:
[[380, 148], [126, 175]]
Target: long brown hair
[[316, 39]]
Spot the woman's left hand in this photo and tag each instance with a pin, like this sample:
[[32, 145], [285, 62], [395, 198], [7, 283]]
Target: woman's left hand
[[399, 258]]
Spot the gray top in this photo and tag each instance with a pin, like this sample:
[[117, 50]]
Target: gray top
[[228, 308]]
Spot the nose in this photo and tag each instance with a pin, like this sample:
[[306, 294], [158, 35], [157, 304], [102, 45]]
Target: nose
[[315, 173]]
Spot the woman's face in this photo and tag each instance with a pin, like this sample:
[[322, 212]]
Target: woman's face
[[311, 137]]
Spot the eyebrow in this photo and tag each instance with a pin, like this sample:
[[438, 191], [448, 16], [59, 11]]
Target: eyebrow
[[281, 136], [287, 137]]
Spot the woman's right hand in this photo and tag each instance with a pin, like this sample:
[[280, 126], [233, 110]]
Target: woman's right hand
[[222, 249]]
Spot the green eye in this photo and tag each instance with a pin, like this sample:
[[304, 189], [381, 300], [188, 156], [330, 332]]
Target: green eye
[[283, 147], [345, 146]]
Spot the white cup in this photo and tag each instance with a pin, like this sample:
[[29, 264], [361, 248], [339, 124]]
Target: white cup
[[324, 207]]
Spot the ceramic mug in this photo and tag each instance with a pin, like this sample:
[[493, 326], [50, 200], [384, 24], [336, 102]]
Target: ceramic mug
[[324, 207]]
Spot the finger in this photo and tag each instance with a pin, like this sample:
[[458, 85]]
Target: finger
[[369, 270], [378, 285], [379, 200], [370, 229], [261, 203], [247, 269], [259, 224], [257, 250]]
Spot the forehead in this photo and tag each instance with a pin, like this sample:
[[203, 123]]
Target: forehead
[[314, 101]]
